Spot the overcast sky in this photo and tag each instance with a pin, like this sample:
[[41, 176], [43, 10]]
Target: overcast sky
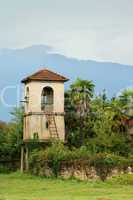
[[90, 29]]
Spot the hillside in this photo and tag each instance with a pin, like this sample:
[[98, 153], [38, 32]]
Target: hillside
[[15, 64]]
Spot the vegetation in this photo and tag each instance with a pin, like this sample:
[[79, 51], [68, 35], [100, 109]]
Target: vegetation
[[11, 136], [97, 122], [16, 187], [54, 156], [95, 126]]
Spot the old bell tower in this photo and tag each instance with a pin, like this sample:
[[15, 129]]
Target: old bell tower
[[44, 106]]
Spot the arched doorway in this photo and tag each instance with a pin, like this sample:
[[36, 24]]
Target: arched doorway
[[47, 99]]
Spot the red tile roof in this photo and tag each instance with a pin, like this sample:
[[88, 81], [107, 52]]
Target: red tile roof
[[45, 75]]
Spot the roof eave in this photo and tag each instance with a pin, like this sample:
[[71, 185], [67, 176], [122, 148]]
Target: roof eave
[[41, 80]]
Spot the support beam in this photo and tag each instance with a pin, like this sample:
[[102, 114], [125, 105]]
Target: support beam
[[26, 158], [22, 159]]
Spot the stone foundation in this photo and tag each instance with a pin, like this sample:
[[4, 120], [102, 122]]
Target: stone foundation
[[81, 171]]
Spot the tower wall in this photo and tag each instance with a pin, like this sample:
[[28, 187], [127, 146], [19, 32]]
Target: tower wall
[[35, 119], [36, 123], [35, 91]]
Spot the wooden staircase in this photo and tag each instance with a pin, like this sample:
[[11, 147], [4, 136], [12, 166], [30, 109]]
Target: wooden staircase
[[52, 125]]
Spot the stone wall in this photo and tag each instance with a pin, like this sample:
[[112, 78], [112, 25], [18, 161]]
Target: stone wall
[[81, 171], [11, 165]]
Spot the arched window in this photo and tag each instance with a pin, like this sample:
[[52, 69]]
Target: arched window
[[47, 99]]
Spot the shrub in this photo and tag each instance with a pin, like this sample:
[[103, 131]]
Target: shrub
[[54, 156], [4, 170], [125, 179], [104, 162], [110, 160]]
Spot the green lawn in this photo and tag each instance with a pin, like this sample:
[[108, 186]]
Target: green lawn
[[25, 187]]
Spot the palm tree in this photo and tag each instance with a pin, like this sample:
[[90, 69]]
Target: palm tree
[[81, 94], [126, 101], [82, 91]]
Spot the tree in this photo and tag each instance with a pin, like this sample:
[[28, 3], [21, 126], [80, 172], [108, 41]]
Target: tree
[[100, 128], [109, 135], [126, 101], [11, 136], [81, 93], [16, 129], [77, 106]]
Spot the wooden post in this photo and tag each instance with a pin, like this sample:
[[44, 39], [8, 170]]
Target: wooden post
[[27, 159], [22, 159]]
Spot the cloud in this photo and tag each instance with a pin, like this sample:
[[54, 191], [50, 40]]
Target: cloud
[[98, 29]]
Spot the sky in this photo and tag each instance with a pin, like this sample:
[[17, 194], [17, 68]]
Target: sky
[[86, 29]]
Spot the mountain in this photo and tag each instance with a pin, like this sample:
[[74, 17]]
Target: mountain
[[15, 64]]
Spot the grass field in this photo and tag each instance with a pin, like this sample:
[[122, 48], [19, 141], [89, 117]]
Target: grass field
[[26, 187]]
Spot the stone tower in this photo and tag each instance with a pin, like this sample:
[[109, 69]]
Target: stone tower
[[44, 106]]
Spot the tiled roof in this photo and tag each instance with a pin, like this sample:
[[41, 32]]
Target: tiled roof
[[45, 75]]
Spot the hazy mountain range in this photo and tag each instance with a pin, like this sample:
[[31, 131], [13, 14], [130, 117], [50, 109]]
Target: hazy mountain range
[[15, 64]]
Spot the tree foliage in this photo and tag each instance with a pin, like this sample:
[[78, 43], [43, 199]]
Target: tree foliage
[[11, 136], [99, 124], [93, 122]]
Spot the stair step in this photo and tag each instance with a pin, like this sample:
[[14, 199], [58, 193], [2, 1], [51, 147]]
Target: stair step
[[54, 135]]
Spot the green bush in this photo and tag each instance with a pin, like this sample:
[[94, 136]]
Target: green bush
[[4, 170], [125, 179], [54, 155], [58, 153], [109, 160], [104, 163]]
